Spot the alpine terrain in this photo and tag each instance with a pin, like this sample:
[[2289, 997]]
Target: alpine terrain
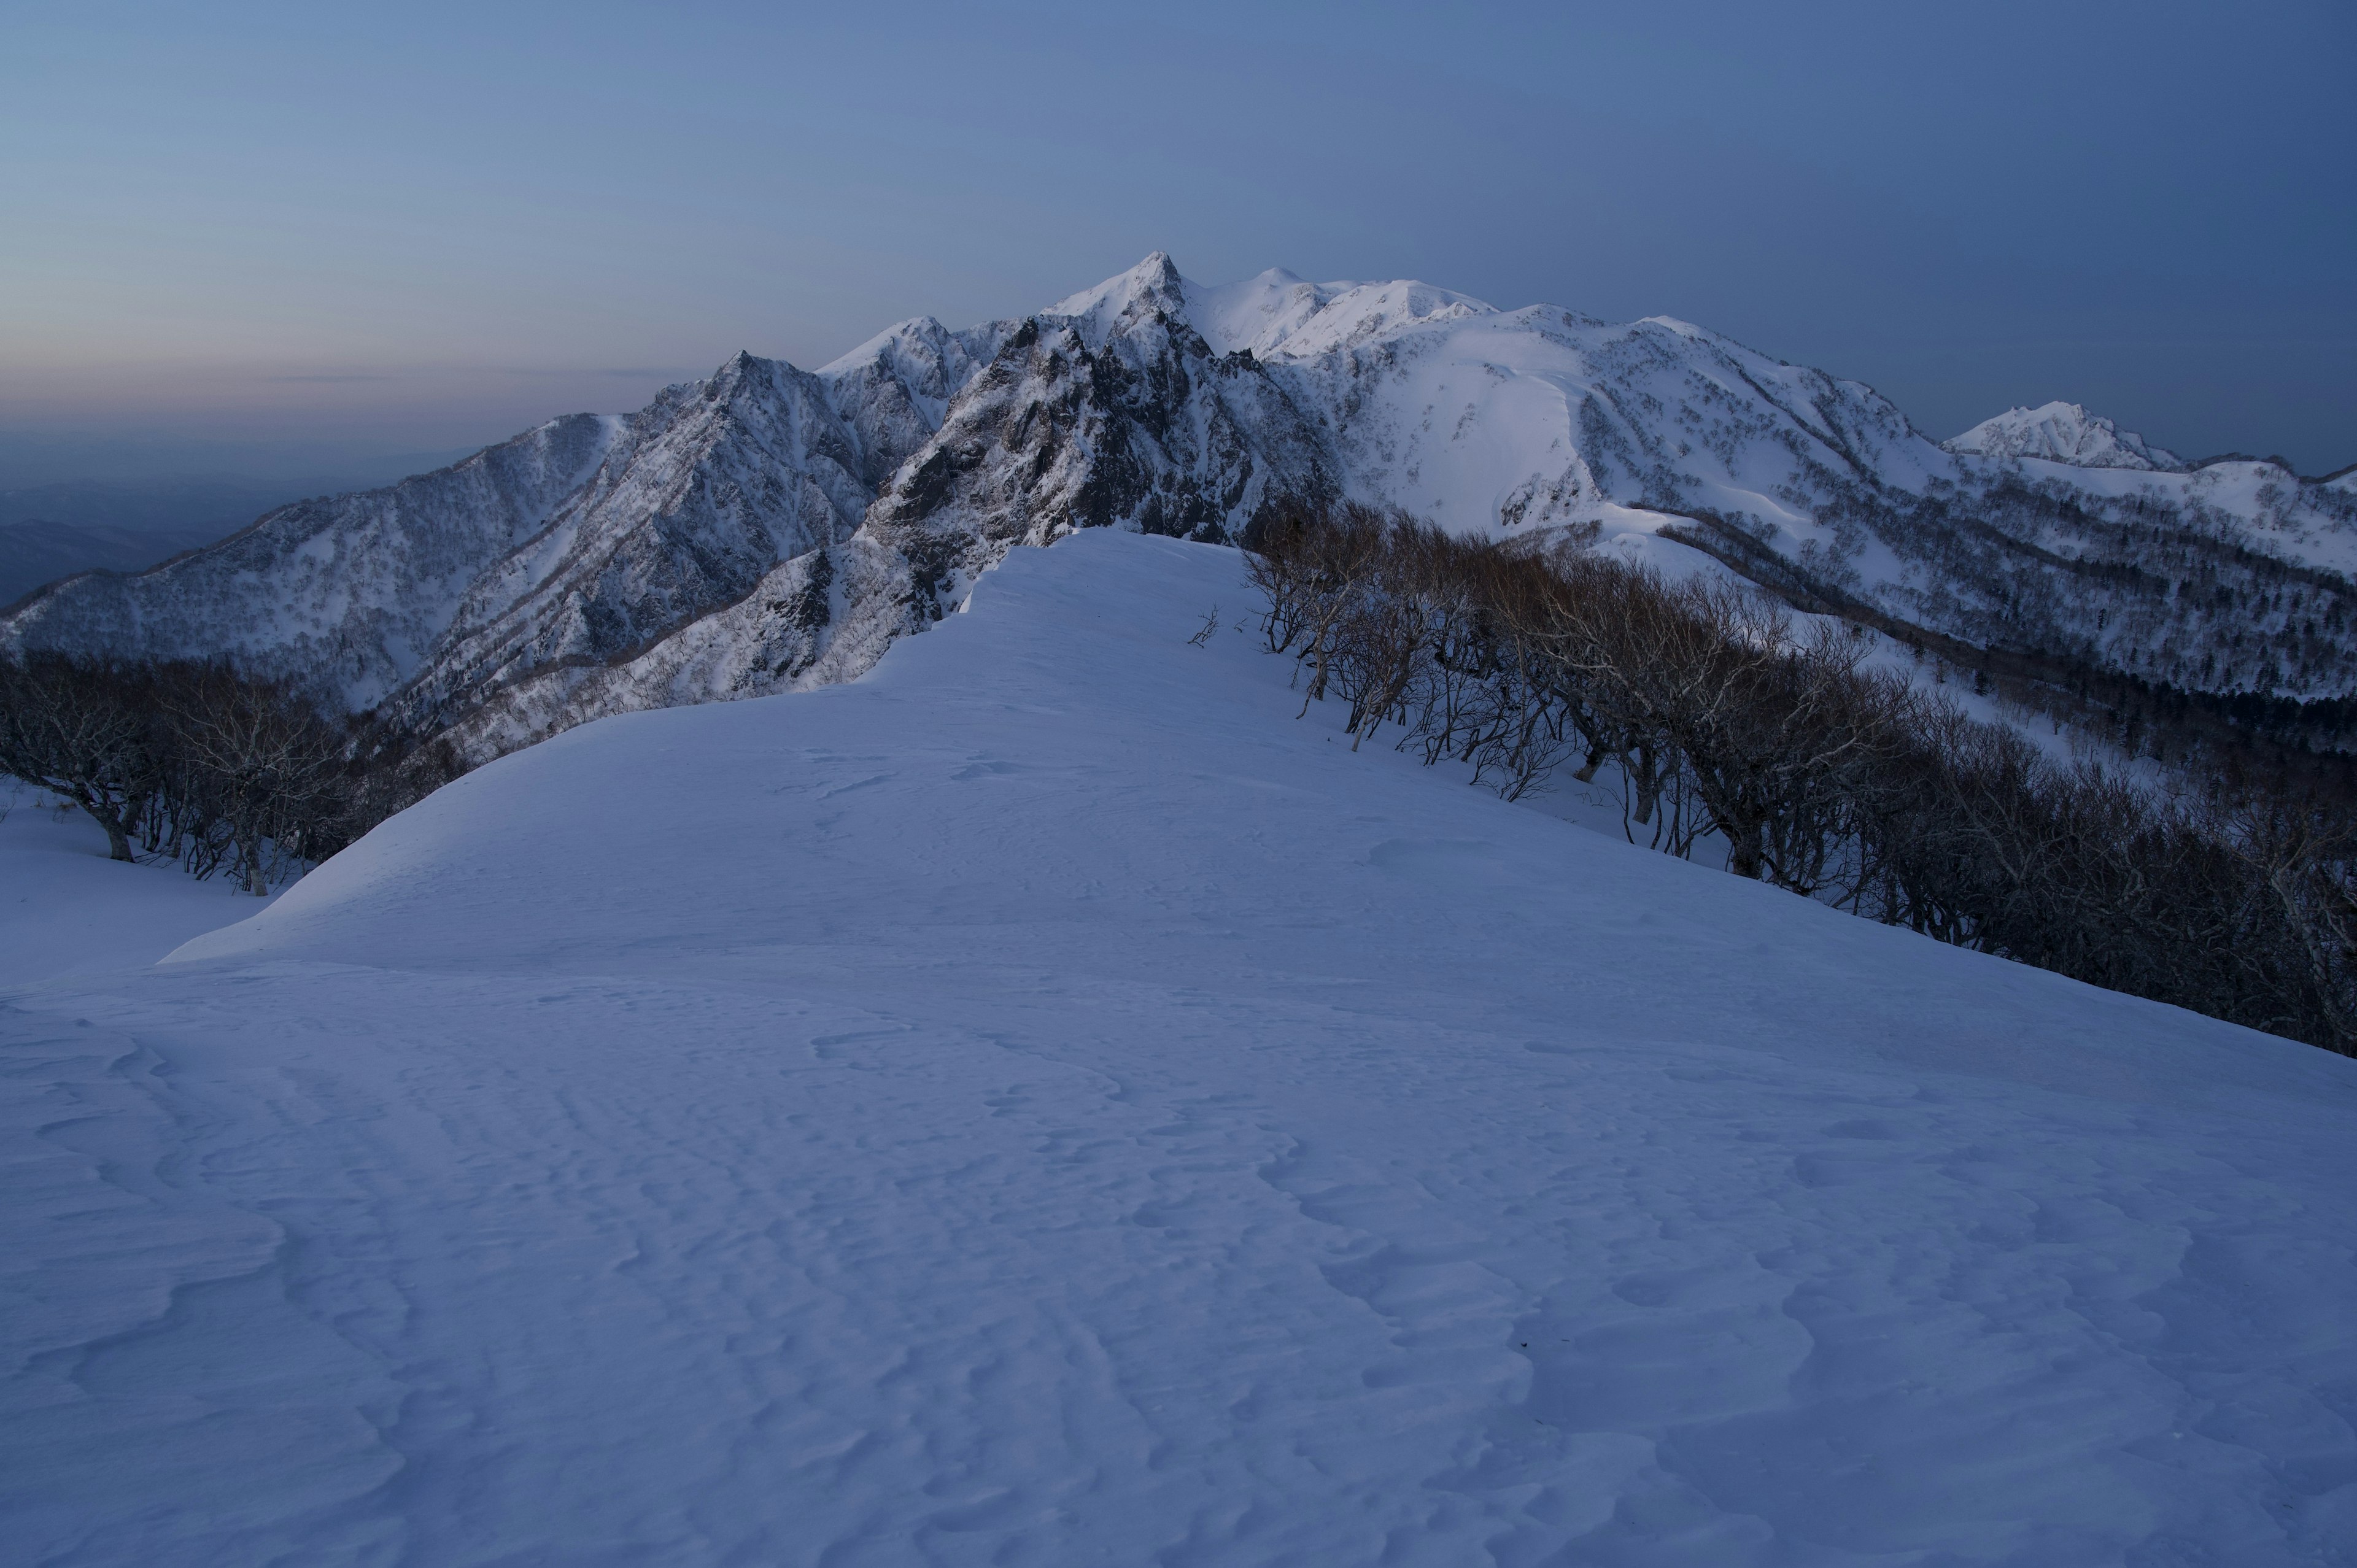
[[771, 528]]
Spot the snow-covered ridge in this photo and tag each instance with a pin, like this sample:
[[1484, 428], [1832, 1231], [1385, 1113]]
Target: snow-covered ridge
[[770, 527], [1277, 314], [1042, 1105], [2062, 433]]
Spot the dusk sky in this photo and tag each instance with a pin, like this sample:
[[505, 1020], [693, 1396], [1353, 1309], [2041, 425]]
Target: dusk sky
[[298, 239]]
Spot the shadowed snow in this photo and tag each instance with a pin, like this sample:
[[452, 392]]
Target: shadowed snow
[[1040, 1103]]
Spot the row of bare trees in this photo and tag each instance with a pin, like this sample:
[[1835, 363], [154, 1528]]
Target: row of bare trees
[[199, 764], [1717, 716]]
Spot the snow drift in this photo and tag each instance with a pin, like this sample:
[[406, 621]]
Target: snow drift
[[1041, 1104]]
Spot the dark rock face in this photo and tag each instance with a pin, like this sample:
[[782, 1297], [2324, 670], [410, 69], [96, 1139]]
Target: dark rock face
[[1145, 427]]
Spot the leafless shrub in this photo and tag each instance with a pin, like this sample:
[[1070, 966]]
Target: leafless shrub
[[1720, 716], [87, 731], [258, 776], [199, 764]]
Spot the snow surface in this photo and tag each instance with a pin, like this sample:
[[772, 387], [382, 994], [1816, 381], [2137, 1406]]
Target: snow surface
[[1276, 313], [1041, 1104], [66, 909]]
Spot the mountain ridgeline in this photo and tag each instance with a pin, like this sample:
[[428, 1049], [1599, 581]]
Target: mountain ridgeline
[[771, 528]]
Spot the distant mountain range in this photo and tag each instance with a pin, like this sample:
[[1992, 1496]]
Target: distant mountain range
[[38, 551], [772, 528], [52, 530]]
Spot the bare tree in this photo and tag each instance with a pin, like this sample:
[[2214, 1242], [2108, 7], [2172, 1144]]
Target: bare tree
[[203, 765], [261, 765], [86, 730], [1718, 714]]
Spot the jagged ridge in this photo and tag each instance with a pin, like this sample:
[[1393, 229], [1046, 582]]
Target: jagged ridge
[[771, 528]]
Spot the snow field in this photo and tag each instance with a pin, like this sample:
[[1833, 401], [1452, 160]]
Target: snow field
[[65, 908], [1040, 1105]]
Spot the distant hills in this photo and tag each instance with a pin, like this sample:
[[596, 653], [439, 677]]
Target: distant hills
[[38, 551], [48, 531]]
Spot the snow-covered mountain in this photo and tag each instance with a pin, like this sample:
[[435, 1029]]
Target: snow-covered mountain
[[1043, 1104], [2062, 433], [771, 528], [1110, 408]]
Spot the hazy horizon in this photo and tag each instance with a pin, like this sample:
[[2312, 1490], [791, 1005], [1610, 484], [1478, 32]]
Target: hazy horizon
[[273, 243]]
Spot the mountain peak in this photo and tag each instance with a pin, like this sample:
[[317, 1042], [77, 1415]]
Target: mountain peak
[[2061, 432], [1152, 284], [916, 330], [742, 366], [628, 544]]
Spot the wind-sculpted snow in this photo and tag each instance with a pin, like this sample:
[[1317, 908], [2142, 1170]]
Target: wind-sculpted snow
[[1041, 1104], [2062, 433], [542, 581]]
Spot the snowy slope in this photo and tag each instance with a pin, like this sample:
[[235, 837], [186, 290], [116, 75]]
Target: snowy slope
[[1040, 1103], [1488, 420], [591, 538], [66, 909], [2048, 530], [355, 589], [2062, 433]]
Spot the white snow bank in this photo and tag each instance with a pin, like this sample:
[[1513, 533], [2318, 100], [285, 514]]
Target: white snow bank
[[1040, 1105]]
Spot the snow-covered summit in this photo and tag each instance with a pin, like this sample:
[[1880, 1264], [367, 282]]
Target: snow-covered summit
[[771, 526], [1260, 312], [1124, 299], [2062, 433], [1277, 314]]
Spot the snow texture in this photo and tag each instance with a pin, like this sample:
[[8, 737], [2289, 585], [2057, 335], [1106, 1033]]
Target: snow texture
[[1041, 1104]]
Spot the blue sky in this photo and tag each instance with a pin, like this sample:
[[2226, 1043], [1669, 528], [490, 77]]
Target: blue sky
[[245, 235]]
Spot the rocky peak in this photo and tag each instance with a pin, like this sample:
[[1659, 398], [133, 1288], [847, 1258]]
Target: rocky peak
[[1109, 410], [1149, 289]]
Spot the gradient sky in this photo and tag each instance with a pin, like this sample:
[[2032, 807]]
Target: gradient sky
[[263, 237]]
